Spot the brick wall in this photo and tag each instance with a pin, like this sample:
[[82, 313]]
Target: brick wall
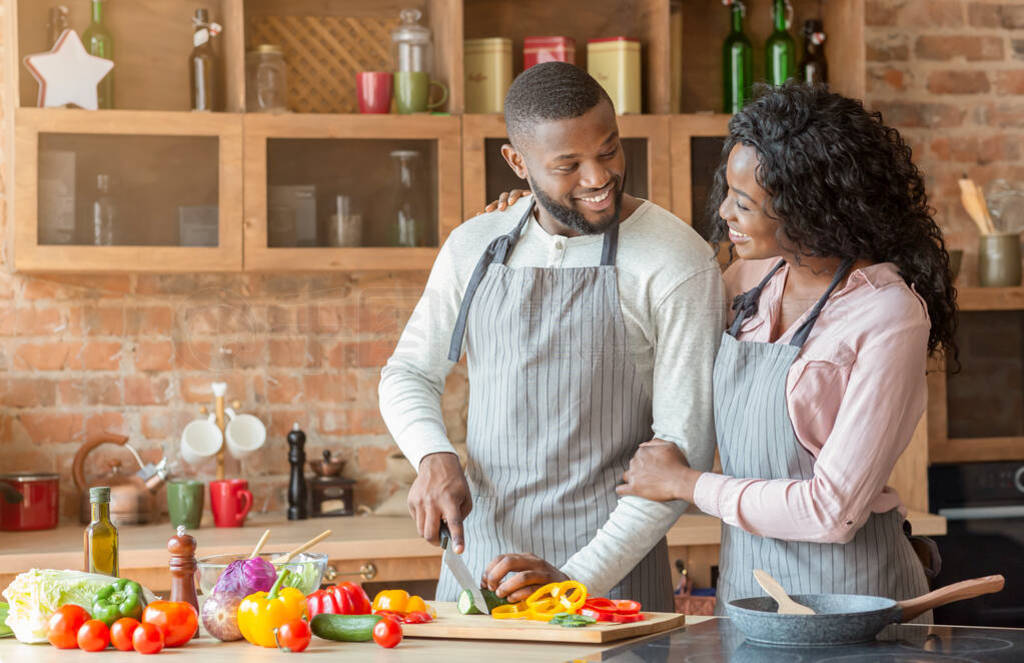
[[135, 354], [949, 74]]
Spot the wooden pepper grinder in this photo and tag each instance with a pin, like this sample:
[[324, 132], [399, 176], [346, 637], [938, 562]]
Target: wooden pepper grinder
[[183, 567], [297, 505]]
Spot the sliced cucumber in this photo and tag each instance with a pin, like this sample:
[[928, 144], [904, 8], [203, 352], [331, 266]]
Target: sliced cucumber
[[467, 607], [344, 628]]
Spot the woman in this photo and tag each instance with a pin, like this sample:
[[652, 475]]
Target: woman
[[820, 378], [841, 290]]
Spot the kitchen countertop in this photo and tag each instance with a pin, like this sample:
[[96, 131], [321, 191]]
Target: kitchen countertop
[[719, 640], [352, 538], [411, 650]]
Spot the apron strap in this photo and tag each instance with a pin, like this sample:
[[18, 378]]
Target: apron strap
[[611, 245], [497, 252], [745, 305], [801, 335]]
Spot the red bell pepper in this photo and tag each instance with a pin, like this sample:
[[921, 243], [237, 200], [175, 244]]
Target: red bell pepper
[[345, 598], [608, 610]]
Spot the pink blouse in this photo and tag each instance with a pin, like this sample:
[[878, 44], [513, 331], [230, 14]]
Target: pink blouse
[[855, 395]]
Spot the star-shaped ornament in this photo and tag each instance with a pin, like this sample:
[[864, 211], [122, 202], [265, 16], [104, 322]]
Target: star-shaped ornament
[[68, 74]]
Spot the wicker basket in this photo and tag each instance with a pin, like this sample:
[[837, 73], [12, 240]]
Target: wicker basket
[[323, 54]]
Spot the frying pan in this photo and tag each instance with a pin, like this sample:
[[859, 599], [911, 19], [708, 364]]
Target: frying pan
[[843, 618]]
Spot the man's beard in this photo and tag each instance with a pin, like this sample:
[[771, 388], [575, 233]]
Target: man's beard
[[572, 219]]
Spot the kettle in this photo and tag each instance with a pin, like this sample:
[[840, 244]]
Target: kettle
[[131, 495]]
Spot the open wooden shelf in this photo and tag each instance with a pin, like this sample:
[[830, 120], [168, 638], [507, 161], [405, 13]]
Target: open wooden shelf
[[440, 132], [150, 179], [990, 299]]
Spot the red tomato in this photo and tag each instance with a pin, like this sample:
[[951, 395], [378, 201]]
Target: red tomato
[[121, 633], [63, 626], [387, 633], [294, 636], [147, 639], [93, 635], [177, 621], [417, 617]]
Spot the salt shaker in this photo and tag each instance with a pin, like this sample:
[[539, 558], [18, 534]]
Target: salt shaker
[[297, 507], [183, 568]]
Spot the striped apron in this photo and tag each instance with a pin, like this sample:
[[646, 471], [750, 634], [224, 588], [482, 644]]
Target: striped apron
[[556, 411], [756, 440]]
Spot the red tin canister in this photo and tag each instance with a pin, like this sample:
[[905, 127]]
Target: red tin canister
[[548, 49]]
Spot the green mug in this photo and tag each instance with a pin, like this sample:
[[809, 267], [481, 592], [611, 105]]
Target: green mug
[[185, 502], [412, 92]]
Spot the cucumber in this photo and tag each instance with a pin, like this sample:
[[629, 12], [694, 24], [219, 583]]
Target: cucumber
[[344, 628], [466, 606]]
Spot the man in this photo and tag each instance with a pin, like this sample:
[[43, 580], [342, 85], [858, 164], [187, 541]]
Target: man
[[589, 319]]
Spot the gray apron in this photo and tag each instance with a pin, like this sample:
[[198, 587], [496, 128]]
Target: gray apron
[[556, 411], [756, 440]]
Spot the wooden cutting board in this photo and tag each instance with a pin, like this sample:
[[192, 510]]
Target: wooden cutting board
[[451, 625]]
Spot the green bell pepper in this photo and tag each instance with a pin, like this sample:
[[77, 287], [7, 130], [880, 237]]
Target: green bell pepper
[[122, 598]]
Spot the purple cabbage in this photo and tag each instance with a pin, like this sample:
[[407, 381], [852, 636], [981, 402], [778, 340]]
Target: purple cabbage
[[246, 576]]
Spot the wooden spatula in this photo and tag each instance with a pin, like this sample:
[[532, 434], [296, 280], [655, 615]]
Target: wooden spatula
[[284, 559], [787, 606]]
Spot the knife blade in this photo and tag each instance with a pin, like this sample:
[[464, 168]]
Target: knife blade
[[458, 568]]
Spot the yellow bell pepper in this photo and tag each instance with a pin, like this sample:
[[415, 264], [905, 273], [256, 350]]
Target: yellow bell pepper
[[556, 597], [512, 611], [260, 614], [398, 600]]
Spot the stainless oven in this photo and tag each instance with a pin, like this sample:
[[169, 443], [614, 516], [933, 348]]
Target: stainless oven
[[984, 507]]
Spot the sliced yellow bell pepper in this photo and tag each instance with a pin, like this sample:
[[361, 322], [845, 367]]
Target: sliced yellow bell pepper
[[512, 611], [260, 614], [568, 596]]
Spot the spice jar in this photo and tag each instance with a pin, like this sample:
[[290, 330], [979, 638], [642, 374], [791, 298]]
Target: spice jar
[[488, 64], [412, 42], [615, 63], [265, 80]]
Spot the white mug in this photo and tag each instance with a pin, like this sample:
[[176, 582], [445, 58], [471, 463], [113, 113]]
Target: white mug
[[245, 434], [200, 441]]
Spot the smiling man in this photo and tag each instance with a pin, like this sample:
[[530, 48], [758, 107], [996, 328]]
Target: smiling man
[[590, 320]]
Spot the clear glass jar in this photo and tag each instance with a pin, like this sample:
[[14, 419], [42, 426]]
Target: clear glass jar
[[104, 213], [345, 226], [266, 90], [411, 213], [412, 42]]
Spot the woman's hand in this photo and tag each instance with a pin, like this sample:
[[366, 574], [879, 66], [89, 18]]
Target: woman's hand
[[507, 200], [659, 472], [529, 572]]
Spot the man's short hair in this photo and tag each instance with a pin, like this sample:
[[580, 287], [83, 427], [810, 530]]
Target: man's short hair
[[549, 91]]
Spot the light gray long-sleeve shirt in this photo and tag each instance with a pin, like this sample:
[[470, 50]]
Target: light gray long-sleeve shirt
[[671, 294]]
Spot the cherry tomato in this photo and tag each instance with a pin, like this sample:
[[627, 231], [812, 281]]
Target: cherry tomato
[[177, 620], [417, 617], [387, 633], [121, 633], [62, 631], [93, 635], [294, 636], [147, 639]]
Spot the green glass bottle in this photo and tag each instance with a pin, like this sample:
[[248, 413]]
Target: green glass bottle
[[737, 63], [780, 49], [100, 536], [99, 42]]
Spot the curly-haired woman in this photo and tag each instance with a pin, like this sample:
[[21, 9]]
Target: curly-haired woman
[[841, 291]]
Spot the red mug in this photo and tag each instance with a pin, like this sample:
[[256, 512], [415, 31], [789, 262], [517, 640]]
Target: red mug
[[230, 501], [373, 89]]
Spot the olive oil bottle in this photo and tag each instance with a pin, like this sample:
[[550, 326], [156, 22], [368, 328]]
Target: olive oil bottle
[[101, 535]]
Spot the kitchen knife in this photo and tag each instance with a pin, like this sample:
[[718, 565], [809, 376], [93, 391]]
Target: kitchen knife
[[458, 568]]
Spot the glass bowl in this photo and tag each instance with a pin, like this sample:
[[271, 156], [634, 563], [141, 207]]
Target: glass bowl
[[307, 569]]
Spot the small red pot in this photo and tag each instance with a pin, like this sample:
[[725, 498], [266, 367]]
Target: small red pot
[[38, 506]]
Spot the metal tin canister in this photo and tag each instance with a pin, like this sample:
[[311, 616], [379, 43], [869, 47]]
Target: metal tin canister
[[488, 64], [548, 49], [615, 63]]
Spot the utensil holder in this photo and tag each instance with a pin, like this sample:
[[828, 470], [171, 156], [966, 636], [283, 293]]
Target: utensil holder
[[999, 260]]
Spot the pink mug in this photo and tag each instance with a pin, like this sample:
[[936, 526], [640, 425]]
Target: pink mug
[[230, 501], [373, 89]]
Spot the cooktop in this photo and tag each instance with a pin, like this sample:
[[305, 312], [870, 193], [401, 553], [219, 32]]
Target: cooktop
[[718, 640]]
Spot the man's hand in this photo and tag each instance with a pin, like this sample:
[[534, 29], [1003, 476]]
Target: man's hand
[[440, 491], [659, 472], [528, 571]]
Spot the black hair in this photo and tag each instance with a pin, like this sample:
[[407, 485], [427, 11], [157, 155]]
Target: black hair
[[842, 184], [549, 91]]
